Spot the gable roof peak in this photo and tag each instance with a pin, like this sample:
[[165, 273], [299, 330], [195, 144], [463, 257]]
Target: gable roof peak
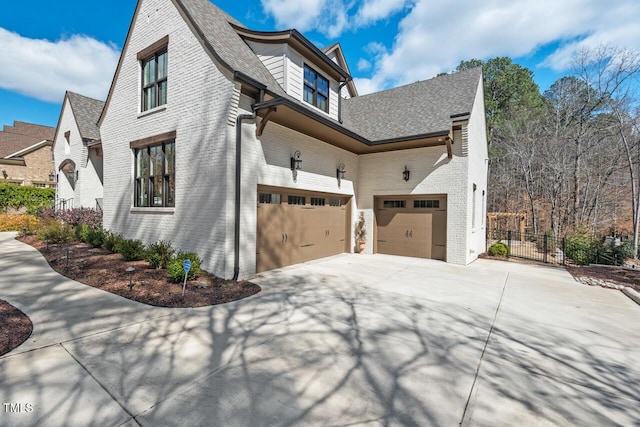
[[86, 112]]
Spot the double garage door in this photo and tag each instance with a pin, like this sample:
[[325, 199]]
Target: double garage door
[[412, 226], [295, 226]]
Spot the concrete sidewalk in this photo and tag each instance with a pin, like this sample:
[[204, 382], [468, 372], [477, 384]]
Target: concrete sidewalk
[[352, 339]]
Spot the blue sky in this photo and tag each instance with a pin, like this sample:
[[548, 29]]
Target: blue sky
[[47, 47]]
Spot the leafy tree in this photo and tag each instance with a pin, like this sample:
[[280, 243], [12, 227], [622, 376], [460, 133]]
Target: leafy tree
[[508, 88]]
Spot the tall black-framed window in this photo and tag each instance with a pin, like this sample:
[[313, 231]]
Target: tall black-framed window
[[154, 80], [316, 89], [155, 175]]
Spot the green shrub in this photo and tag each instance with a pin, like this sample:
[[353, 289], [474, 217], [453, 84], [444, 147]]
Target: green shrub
[[580, 247], [175, 272], [95, 237], [111, 241], [131, 249], [499, 249], [81, 232], [159, 254], [53, 231]]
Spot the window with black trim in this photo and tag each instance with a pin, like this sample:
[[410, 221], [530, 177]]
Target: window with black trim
[[155, 175], [316, 89], [154, 80], [317, 201], [335, 202]]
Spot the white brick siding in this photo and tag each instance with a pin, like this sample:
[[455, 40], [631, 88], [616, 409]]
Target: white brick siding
[[198, 100], [431, 172], [88, 186], [60, 153], [477, 174]]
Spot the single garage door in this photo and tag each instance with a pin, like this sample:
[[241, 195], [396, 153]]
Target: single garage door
[[412, 226], [295, 226]]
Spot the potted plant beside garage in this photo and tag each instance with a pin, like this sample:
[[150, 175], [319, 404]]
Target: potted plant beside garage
[[360, 233]]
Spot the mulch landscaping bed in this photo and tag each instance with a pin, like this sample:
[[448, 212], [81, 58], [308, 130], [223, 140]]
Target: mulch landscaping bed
[[104, 270], [15, 327]]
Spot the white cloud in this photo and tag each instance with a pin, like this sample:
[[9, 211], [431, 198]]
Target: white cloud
[[330, 17], [301, 15], [363, 65], [435, 35], [618, 28], [375, 10], [45, 70]]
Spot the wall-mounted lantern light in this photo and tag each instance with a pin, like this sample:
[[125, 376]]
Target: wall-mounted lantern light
[[52, 176], [406, 173], [4, 174], [296, 162], [340, 173]]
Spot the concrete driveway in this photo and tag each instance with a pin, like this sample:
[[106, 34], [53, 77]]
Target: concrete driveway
[[348, 340]]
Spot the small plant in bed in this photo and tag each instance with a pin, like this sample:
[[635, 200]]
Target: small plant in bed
[[131, 249], [175, 270], [498, 249]]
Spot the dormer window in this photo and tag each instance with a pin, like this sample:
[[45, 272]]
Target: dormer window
[[316, 89]]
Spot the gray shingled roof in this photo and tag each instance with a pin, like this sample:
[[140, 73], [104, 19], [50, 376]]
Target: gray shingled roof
[[23, 135], [227, 45], [419, 108], [86, 112]]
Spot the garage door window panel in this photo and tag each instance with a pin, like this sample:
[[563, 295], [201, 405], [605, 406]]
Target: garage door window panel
[[296, 200], [269, 198], [435, 204], [394, 204]]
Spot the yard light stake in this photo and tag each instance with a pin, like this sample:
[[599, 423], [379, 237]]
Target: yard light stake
[[67, 250], [130, 270]]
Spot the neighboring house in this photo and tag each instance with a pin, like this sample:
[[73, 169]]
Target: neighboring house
[[25, 155], [78, 153], [254, 150]]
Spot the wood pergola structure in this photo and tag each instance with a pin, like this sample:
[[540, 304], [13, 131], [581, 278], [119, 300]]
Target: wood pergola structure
[[492, 217]]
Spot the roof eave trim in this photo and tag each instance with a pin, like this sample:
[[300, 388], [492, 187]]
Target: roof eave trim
[[30, 148], [435, 134], [311, 114], [13, 162], [284, 36], [243, 78]]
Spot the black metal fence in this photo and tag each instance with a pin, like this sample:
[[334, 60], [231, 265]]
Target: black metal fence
[[538, 247], [547, 248]]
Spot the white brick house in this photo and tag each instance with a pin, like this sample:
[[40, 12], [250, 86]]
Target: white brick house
[[77, 153], [254, 150]]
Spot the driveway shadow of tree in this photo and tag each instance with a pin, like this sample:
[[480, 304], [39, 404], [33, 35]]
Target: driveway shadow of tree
[[307, 350]]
